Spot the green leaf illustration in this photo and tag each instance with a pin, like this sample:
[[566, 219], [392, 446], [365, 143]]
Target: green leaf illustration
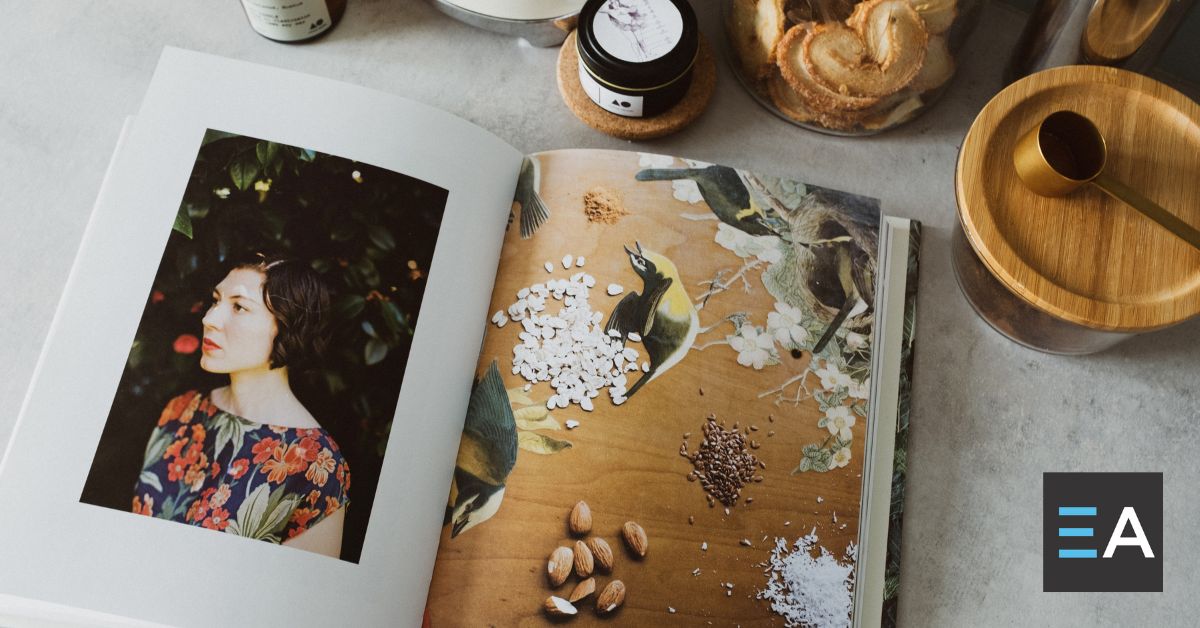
[[539, 444], [159, 440], [230, 429], [517, 395], [150, 478], [264, 513], [545, 422]]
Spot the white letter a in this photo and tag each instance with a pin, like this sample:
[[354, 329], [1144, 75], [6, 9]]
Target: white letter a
[[1139, 538]]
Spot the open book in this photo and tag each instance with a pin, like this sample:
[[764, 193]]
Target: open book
[[674, 391]]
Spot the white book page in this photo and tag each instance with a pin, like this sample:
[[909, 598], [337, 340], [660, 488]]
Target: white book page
[[58, 549]]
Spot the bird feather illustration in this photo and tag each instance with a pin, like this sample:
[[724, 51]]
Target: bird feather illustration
[[528, 200]]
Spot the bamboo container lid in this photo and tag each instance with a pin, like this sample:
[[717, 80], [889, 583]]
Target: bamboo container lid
[[1088, 258]]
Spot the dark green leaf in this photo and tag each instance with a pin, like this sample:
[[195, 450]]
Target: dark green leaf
[[307, 154], [394, 318], [343, 231], [375, 351], [273, 224], [211, 136], [222, 247], [381, 237], [349, 306], [266, 152], [183, 222], [243, 171], [186, 262], [370, 329], [334, 381], [199, 209]]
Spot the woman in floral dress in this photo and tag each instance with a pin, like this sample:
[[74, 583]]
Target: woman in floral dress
[[248, 458]]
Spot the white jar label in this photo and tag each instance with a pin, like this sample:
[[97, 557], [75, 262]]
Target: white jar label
[[288, 20], [620, 104], [638, 30]]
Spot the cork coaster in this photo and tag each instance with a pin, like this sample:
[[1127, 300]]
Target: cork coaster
[[693, 103]]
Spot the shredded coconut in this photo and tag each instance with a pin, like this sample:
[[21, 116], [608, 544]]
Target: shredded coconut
[[808, 591], [569, 348]]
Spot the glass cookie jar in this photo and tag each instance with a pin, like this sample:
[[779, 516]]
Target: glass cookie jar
[[847, 67]]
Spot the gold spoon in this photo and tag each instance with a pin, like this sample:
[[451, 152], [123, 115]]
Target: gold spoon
[[1066, 151]]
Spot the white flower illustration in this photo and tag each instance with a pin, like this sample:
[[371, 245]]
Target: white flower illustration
[[855, 340], [652, 160], [839, 420], [785, 323], [857, 390], [744, 245], [831, 377], [841, 458], [754, 348], [687, 191]]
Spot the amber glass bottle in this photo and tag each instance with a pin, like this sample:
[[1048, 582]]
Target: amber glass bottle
[[291, 21]]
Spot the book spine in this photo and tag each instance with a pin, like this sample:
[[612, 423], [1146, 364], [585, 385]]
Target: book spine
[[891, 579]]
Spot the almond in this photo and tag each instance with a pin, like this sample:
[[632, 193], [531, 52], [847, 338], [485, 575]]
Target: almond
[[601, 552], [635, 538], [583, 560], [559, 565], [557, 607], [581, 519], [582, 590], [611, 597]]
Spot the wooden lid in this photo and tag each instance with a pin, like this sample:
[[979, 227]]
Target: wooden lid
[[1088, 258], [704, 79]]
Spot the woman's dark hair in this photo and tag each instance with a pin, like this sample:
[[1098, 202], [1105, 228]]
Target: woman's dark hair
[[299, 299]]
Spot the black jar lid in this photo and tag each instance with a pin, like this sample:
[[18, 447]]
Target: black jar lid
[[622, 70]]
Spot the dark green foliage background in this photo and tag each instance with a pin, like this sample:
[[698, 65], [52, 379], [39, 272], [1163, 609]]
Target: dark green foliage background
[[371, 238]]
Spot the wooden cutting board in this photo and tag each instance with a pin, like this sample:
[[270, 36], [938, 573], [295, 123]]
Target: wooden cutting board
[[1087, 258]]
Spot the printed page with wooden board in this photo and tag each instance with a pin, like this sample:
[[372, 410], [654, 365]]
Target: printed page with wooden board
[[669, 421]]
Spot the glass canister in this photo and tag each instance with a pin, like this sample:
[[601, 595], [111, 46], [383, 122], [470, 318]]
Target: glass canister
[[843, 66], [1077, 274]]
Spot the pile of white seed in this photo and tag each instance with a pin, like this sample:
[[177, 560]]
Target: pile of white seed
[[569, 348]]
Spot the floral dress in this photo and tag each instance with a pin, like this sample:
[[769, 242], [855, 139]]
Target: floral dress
[[206, 467]]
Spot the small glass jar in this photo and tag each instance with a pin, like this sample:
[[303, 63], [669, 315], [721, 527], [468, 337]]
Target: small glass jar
[[847, 67], [293, 21], [636, 56]]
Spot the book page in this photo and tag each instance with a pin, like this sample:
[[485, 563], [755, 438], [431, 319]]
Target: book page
[[679, 345], [279, 291]]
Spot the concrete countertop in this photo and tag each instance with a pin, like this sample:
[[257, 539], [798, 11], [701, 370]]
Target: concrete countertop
[[989, 416]]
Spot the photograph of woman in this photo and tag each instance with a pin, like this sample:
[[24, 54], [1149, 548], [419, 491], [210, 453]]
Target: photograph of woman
[[253, 440], [272, 346]]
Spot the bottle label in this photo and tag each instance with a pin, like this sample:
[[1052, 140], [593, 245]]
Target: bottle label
[[288, 20], [638, 30], [620, 104]]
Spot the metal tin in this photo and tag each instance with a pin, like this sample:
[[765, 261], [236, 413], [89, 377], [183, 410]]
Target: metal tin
[[636, 56], [539, 30]]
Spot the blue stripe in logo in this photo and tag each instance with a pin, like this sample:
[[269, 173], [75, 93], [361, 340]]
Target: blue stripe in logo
[[1076, 553], [1077, 511], [1075, 532]]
